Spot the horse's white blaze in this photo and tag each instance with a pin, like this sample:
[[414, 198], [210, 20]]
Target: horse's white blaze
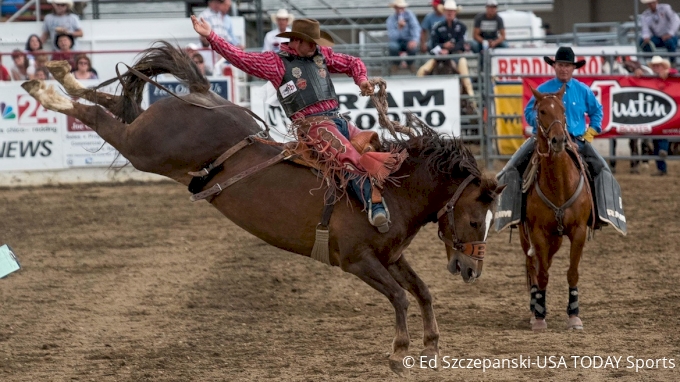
[[487, 223]]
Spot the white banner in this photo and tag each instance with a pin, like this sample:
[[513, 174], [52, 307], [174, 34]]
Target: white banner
[[531, 62], [436, 100], [30, 135]]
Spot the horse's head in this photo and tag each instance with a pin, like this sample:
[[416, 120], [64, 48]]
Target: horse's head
[[464, 224], [551, 121]]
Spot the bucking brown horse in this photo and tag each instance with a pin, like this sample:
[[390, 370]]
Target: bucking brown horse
[[282, 204], [558, 204]]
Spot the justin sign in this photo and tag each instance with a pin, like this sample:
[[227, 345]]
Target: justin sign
[[631, 106]]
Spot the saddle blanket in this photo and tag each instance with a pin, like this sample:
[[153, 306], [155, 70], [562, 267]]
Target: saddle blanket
[[608, 201]]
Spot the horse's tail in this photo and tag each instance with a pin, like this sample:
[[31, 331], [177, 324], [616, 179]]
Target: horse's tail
[[161, 58]]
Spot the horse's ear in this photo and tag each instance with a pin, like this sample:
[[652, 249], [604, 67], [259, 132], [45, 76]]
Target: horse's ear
[[500, 189], [538, 95], [560, 93]]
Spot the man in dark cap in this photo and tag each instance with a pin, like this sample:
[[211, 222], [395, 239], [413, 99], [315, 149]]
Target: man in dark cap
[[578, 100], [300, 72]]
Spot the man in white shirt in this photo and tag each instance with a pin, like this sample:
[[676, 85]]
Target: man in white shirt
[[217, 16], [282, 19]]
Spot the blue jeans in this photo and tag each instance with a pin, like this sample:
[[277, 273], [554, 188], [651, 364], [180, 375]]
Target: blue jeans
[[398, 46], [671, 45], [660, 144], [361, 191]]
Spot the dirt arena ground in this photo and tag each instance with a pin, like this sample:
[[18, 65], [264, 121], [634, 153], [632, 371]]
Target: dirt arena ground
[[136, 283]]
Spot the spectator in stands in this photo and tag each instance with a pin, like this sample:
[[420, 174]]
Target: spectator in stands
[[661, 68], [489, 31], [33, 44], [447, 37], [282, 19], [20, 69], [304, 88], [659, 27], [207, 55], [403, 32], [42, 73], [217, 15], [200, 63], [435, 16], [64, 43], [62, 21], [83, 69], [4, 73]]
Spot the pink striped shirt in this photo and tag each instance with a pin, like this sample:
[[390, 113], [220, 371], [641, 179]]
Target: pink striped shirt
[[269, 66]]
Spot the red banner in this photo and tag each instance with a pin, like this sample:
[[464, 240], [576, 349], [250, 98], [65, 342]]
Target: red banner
[[630, 105]]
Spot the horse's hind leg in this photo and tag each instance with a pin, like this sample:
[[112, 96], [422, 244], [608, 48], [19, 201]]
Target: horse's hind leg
[[111, 130], [409, 280], [61, 71], [373, 273], [578, 240]]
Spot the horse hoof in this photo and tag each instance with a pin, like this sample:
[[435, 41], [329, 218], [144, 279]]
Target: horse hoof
[[397, 366], [539, 325], [574, 323], [31, 86], [59, 69], [428, 355]]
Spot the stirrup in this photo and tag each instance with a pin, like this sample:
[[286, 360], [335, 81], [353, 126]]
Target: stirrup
[[381, 222]]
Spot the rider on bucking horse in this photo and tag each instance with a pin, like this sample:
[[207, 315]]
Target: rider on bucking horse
[[301, 74], [578, 101]]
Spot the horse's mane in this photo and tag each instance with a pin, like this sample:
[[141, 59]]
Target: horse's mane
[[442, 154]]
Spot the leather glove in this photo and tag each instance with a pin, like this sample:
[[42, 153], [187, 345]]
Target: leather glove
[[589, 134]]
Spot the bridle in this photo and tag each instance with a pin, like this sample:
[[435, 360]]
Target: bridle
[[545, 131], [474, 249]]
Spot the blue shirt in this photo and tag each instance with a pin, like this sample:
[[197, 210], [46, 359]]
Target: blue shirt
[[410, 32], [578, 100], [429, 21]]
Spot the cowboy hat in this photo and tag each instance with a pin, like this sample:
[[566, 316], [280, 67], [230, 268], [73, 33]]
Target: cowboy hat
[[399, 4], [647, 1], [308, 30], [658, 60], [450, 5], [58, 36], [67, 2], [282, 14], [564, 54]]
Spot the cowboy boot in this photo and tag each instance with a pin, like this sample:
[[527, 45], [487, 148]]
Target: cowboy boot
[[379, 216]]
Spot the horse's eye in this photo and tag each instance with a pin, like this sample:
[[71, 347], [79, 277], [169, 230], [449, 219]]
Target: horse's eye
[[474, 225], [542, 112]]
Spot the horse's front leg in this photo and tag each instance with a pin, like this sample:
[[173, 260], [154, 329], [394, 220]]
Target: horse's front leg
[[373, 273], [578, 241], [544, 249], [402, 272]]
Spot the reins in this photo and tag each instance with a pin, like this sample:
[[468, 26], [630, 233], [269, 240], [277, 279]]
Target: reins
[[474, 249]]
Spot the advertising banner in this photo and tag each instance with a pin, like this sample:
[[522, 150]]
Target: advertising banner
[[631, 106], [529, 61], [505, 124], [30, 135], [435, 100]]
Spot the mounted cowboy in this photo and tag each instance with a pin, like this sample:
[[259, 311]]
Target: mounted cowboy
[[301, 74], [578, 100]]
